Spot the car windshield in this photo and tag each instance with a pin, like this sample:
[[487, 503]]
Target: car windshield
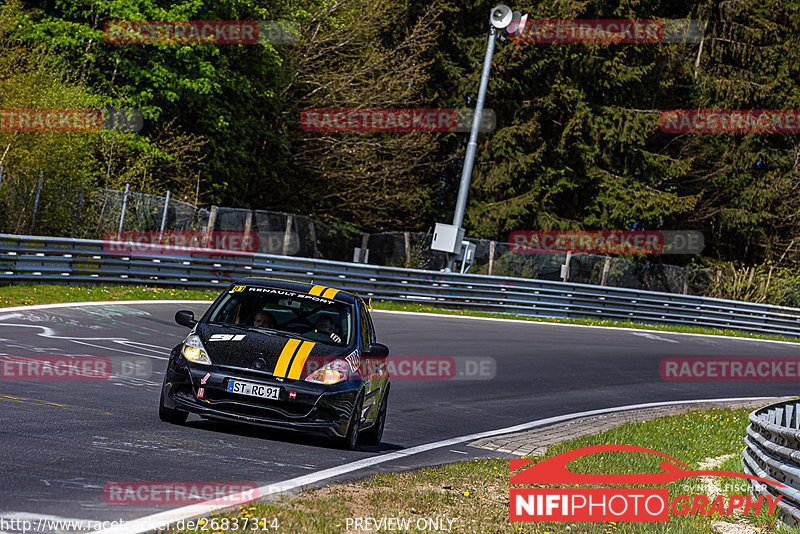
[[285, 311]]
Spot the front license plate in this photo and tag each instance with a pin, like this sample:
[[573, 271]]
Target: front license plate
[[253, 390]]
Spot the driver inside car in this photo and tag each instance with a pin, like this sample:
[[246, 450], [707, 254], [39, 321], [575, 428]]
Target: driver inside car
[[324, 325], [265, 319]]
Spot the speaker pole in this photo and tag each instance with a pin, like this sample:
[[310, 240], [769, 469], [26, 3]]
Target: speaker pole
[[500, 17], [472, 145]]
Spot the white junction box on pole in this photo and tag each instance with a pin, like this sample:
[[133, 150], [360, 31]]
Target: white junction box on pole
[[447, 238]]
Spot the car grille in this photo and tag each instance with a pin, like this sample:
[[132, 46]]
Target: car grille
[[239, 403]]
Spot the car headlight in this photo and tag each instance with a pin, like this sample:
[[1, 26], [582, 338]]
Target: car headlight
[[332, 373], [194, 351]]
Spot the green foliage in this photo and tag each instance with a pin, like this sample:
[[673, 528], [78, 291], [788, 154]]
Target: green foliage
[[578, 142], [224, 94], [761, 283], [352, 57]]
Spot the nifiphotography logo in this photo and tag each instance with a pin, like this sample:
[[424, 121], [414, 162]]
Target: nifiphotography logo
[[577, 504]]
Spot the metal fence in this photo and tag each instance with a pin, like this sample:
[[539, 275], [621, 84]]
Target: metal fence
[[37, 206], [27, 259], [773, 452]]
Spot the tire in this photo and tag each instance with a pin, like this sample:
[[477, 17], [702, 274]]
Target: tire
[[170, 415], [350, 440], [374, 435]]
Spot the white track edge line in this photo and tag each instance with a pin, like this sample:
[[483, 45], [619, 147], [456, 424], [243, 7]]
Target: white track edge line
[[154, 521], [545, 322], [98, 303]]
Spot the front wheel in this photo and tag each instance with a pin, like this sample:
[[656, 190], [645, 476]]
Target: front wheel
[[170, 415], [374, 435], [350, 440]]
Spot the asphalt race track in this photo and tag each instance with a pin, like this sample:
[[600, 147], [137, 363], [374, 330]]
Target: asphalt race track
[[63, 441]]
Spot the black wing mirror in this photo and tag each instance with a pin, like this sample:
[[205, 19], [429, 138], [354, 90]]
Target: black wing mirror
[[185, 318], [378, 350]]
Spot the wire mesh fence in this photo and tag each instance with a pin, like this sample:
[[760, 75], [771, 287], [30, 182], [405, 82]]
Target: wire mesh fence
[[33, 205]]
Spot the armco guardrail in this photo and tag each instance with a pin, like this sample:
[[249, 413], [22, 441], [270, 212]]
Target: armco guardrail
[[773, 452], [77, 261]]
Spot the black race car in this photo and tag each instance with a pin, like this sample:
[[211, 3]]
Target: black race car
[[281, 354]]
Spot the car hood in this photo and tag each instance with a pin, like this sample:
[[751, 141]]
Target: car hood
[[282, 356]]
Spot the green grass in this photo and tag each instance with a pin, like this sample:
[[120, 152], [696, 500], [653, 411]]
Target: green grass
[[28, 295], [18, 295], [475, 493]]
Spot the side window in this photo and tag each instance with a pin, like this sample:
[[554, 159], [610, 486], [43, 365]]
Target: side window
[[364, 324]]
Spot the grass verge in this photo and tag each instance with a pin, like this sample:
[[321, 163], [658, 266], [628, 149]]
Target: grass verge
[[472, 496], [28, 295]]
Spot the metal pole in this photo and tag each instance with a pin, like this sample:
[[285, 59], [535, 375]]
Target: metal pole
[[212, 220], [164, 217], [36, 203], [78, 214], [565, 274], [2, 168], [606, 265], [472, 146], [124, 206]]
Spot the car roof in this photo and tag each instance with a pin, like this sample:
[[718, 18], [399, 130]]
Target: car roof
[[318, 289]]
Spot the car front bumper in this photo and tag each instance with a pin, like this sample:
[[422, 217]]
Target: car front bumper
[[202, 389]]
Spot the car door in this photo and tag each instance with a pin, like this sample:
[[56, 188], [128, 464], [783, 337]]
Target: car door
[[368, 365]]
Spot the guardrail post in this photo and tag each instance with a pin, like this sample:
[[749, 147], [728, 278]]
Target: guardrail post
[[78, 211], [164, 216], [124, 207], [492, 246], [606, 265], [36, 202]]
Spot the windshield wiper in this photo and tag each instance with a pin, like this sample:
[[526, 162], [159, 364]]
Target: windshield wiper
[[235, 326]]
